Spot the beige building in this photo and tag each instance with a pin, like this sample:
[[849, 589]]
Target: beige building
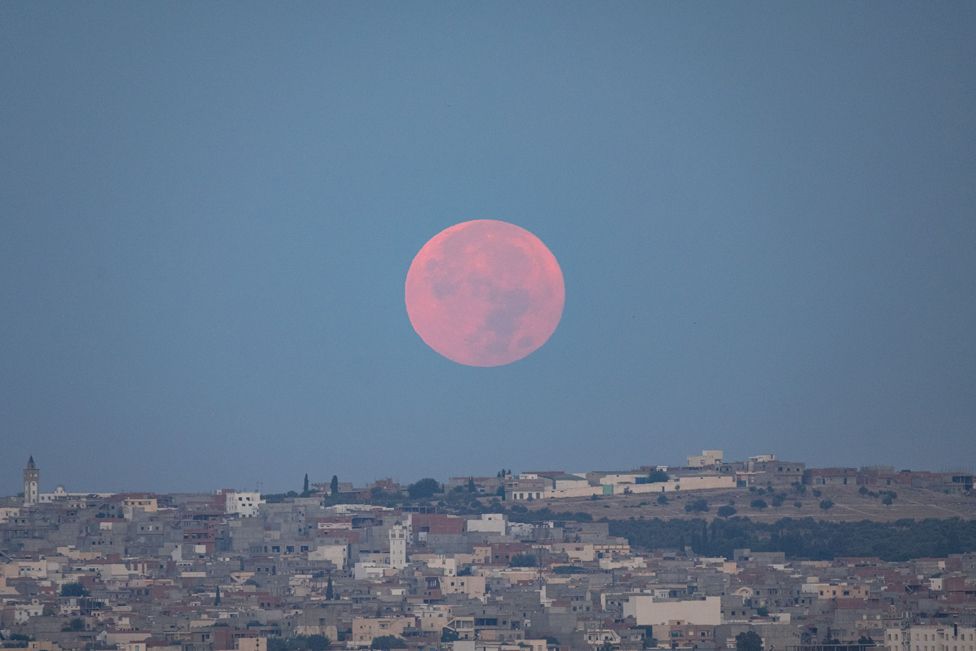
[[707, 459], [836, 590], [648, 611], [931, 638], [251, 644], [364, 629], [471, 585]]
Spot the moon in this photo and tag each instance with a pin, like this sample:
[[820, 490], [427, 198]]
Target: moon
[[484, 293]]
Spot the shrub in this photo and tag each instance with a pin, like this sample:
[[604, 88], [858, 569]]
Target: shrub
[[696, 506]]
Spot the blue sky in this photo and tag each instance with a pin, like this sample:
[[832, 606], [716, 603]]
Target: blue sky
[[765, 214]]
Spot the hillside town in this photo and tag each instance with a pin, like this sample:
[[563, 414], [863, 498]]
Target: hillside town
[[510, 561]]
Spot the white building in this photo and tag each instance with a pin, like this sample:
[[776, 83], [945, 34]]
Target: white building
[[488, 523], [245, 504], [32, 478], [398, 546], [368, 571]]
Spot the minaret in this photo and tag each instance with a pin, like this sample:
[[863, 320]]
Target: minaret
[[398, 546], [32, 477]]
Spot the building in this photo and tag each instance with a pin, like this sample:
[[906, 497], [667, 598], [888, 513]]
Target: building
[[948, 637], [244, 504], [32, 478], [649, 611], [398, 546], [707, 459]]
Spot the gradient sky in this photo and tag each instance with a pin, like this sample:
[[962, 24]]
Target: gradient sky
[[765, 214]]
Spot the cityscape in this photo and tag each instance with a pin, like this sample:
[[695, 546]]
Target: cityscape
[[761, 553], [488, 325]]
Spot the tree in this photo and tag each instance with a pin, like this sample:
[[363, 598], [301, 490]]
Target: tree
[[334, 486], [73, 590], [656, 476], [423, 489], [524, 560], [217, 597], [305, 486], [748, 641], [299, 643], [826, 504], [662, 499], [726, 511], [449, 635], [329, 590], [388, 642], [471, 487], [696, 506], [76, 624], [758, 504]]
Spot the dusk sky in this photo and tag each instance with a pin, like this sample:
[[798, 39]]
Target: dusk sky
[[765, 215]]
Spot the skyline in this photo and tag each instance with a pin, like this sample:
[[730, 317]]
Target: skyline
[[46, 484], [763, 214]]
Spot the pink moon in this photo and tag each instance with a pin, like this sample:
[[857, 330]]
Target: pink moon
[[485, 293]]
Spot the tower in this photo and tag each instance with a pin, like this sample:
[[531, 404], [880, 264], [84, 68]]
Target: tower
[[398, 546], [32, 477]]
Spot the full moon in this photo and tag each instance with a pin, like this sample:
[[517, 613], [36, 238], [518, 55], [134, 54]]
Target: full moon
[[484, 293]]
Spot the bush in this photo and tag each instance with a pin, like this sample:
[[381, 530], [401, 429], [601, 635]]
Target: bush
[[73, 590], [748, 641], [76, 624], [449, 635], [826, 504], [388, 642], [524, 560], [804, 538], [758, 504], [726, 511], [662, 499], [696, 506]]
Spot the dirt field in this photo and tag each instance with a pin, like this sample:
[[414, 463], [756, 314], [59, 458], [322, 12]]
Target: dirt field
[[848, 505]]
